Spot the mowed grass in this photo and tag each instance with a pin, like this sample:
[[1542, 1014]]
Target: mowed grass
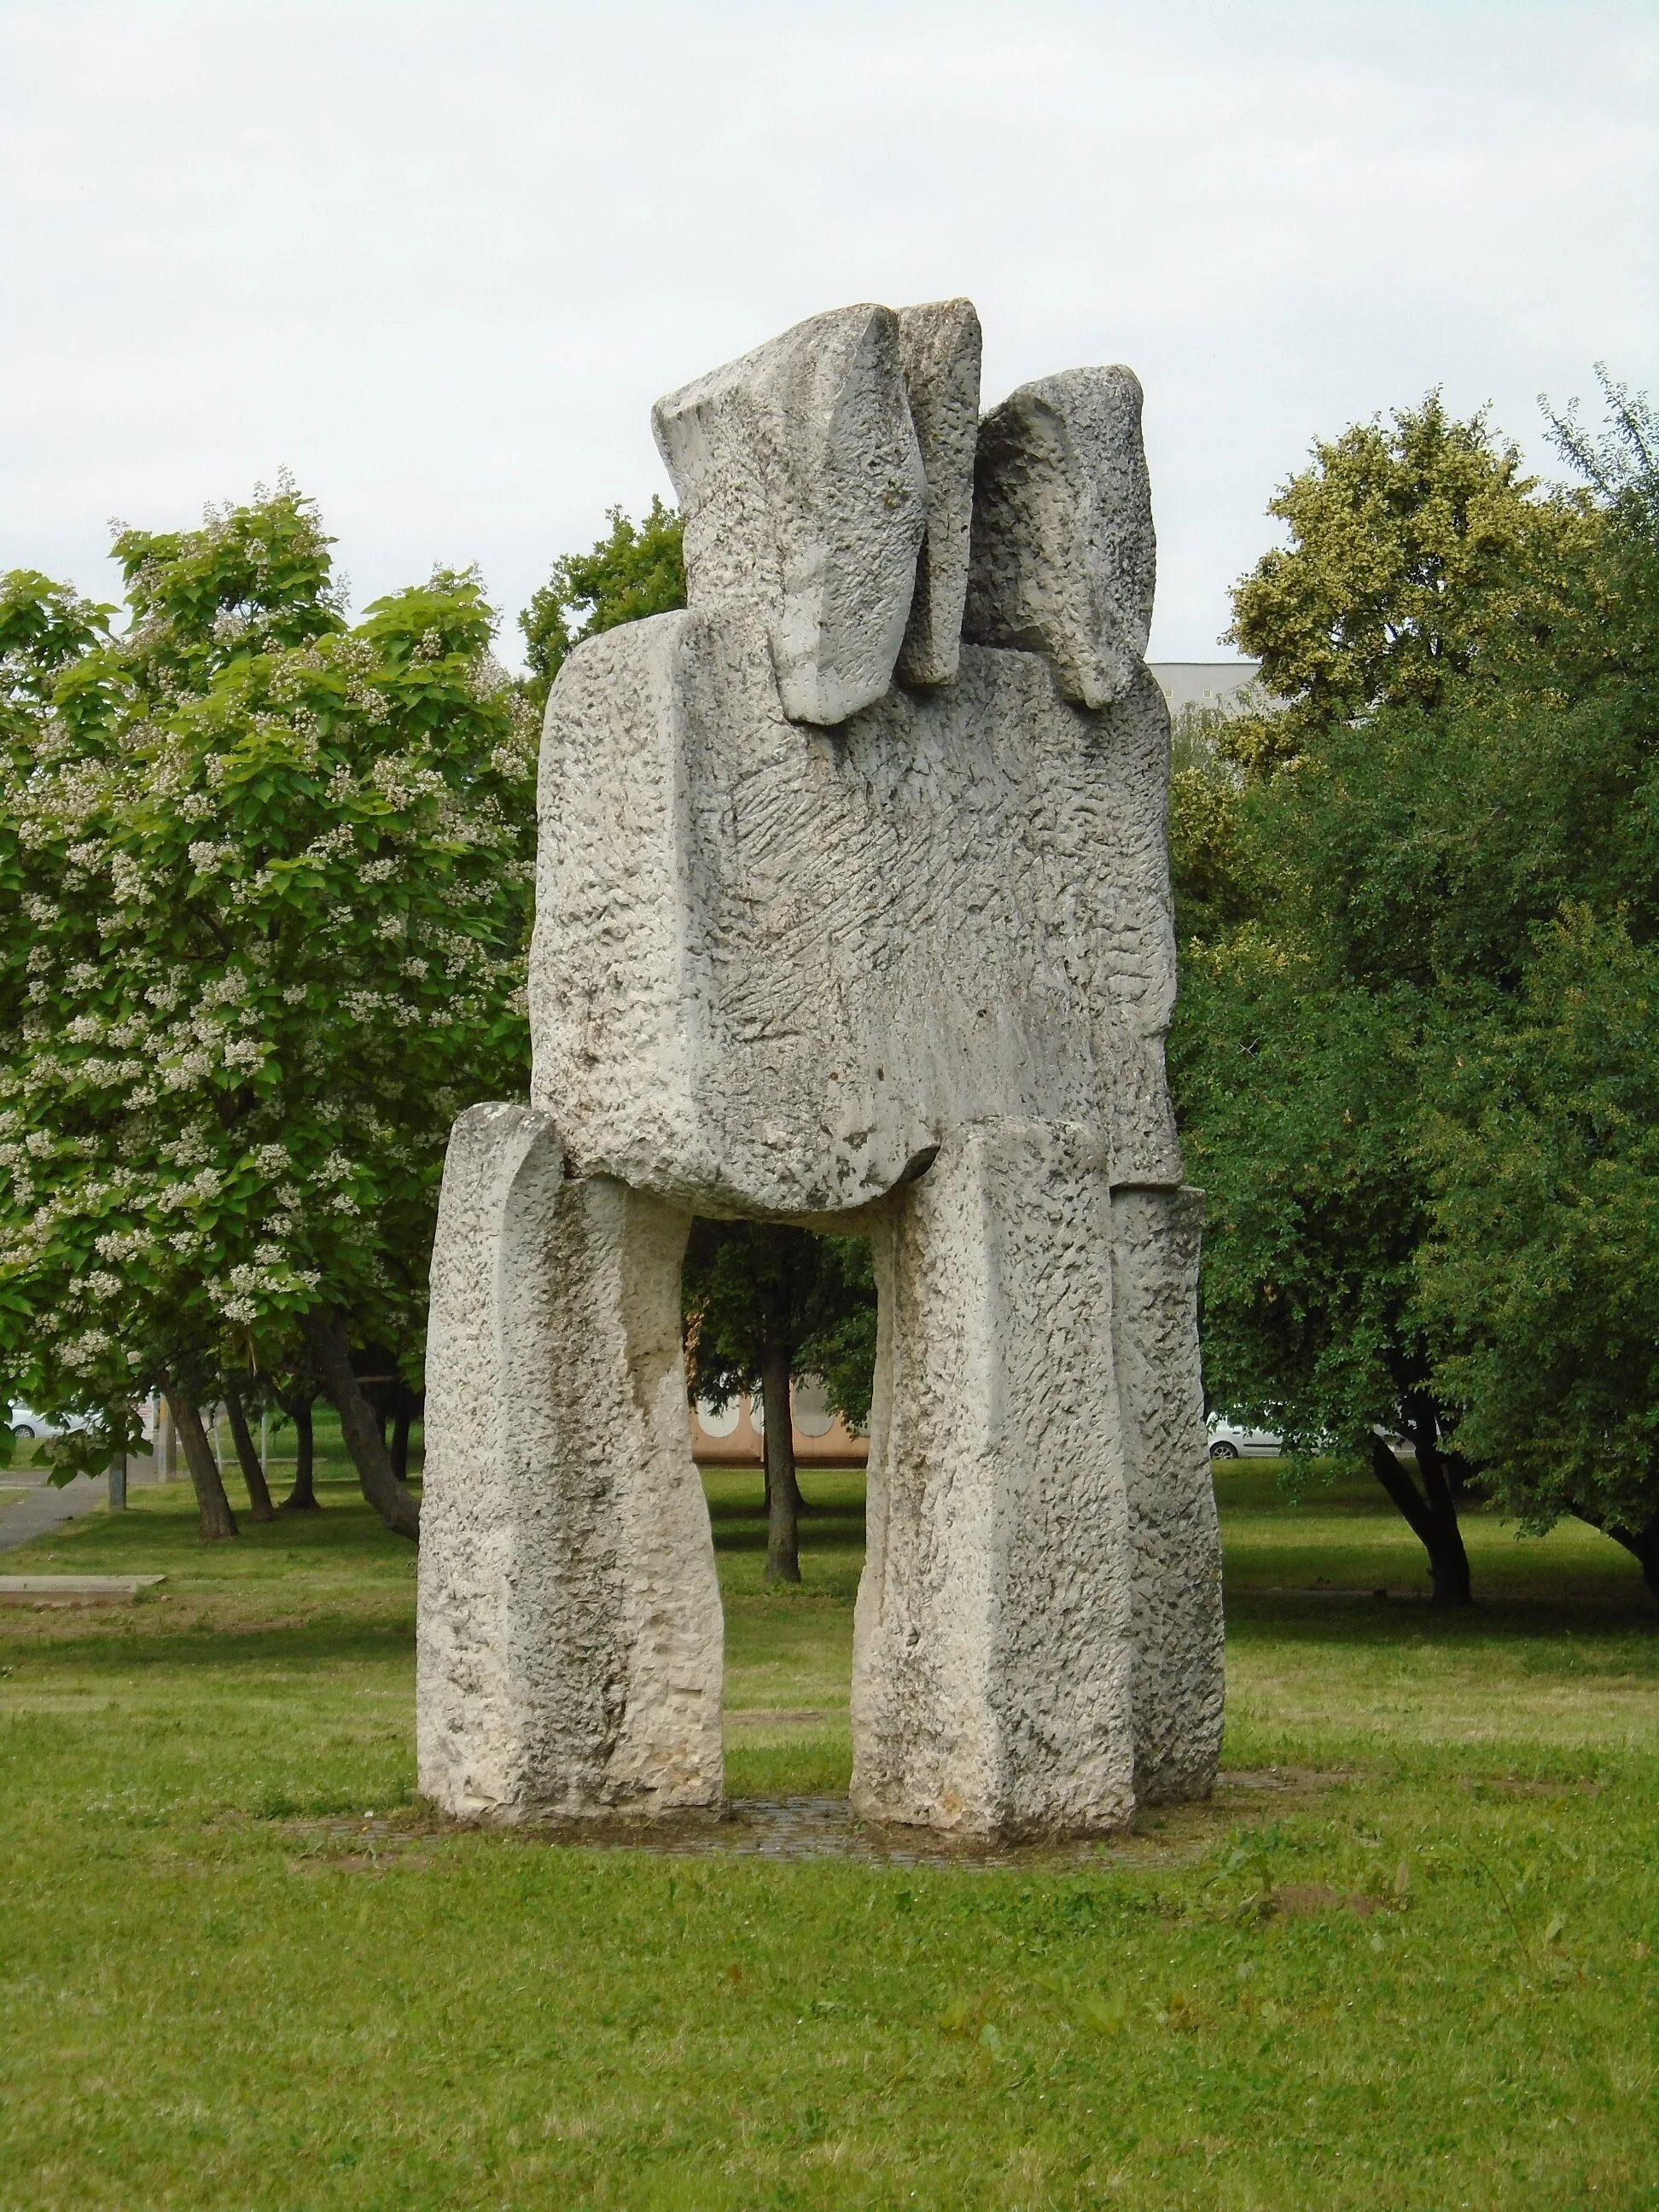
[[1407, 1959]]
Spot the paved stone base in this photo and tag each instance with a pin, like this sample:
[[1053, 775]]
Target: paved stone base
[[75, 1590]]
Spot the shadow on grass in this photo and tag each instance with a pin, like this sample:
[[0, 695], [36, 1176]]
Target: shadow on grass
[[825, 1529], [299, 1648], [737, 1516], [1350, 1618]]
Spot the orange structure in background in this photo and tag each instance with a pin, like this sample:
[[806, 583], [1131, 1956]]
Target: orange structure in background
[[732, 1436]]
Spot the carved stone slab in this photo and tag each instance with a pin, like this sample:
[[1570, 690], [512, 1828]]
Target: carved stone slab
[[939, 353], [799, 473], [1064, 558], [773, 965]]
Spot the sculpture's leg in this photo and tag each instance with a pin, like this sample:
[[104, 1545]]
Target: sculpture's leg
[[570, 1633], [991, 1661], [1176, 1623]]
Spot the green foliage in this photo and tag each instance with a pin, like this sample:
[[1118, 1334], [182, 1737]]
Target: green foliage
[[1209, 855], [264, 895], [1414, 548], [45, 629], [841, 1348], [1540, 1271], [748, 1286], [1296, 1095], [1414, 1063], [1622, 462], [638, 569], [254, 581]]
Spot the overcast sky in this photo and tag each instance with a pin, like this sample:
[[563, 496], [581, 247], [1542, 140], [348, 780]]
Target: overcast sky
[[438, 259]]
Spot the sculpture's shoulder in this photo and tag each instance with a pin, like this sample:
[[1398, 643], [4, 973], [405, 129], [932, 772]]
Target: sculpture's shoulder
[[596, 672]]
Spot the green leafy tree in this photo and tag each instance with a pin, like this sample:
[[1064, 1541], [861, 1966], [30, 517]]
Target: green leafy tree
[[1298, 1097], [1415, 547], [265, 881], [1210, 858], [1371, 920], [638, 569], [1540, 1274], [1540, 1268], [766, 1304]]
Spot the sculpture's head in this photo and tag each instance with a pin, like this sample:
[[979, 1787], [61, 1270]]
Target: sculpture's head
[[868, 842], [814, 472]]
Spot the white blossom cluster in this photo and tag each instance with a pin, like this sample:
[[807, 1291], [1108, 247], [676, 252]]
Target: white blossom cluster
[[256, 965]]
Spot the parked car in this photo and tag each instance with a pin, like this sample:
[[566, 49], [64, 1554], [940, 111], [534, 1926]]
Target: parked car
[[27, 1425], [1229, 1441]]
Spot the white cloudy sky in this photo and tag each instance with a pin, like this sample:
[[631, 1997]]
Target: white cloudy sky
[[437, 257]]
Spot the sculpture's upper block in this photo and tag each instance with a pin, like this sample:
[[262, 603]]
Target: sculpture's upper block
[[775, 965], [1064, 558], [799, 477]]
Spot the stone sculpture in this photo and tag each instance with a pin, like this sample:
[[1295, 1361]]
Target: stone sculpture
[[852, 911]]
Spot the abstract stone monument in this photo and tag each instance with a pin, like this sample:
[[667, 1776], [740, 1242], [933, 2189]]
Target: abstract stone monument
[[852, 911]]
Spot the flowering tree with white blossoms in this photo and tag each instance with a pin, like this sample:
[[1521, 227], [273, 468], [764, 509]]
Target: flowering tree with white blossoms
[[265, 900]]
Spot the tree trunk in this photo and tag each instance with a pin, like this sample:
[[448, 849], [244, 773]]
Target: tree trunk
[[247, 1457], [1449, 1560], [1461, 1475], [331, 1361], [1431, 1515], [1642, 1544], [782, 1492], [400, 1442], [167, 1441], [302, 1498], [216, 1518]]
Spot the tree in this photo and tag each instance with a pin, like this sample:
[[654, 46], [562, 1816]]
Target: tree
[[1414, 548], [1540, 1274], [1369, 889], [247, 1457], [1539, 1269], [265, 884], [638, 569], [1298, 1095], [764, 1305], [296, 1400]]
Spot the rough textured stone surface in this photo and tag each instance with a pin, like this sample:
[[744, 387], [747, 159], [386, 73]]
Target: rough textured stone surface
[[1064, 558], [773, 966], [992, 1664], [799, 474], [910, 972], [939, 353], [1176, 1622], [569, 1645]]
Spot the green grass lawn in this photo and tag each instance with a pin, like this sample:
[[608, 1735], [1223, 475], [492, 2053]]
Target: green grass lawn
[[1406, 1958]]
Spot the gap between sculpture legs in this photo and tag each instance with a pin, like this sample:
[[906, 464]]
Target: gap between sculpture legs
[[569, 1647]]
